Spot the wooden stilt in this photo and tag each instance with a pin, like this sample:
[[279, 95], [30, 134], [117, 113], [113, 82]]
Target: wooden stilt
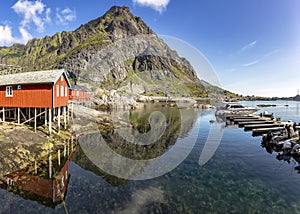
[[65, 117], [34, 119], [3, 116], [58, 119], [50, 120], [50, 166], [29, 114], [18, 115], [65, 150], [58, 155], [68, 115], [45, 117], [35, 167]]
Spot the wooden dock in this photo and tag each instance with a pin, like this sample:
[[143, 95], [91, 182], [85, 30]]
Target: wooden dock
[[261, 131], [255, 123], [264, 126]]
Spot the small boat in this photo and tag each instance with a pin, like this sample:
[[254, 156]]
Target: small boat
[[234, 108]]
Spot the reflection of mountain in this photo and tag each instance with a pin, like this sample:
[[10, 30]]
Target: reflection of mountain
[[129, 152], [165, 127], [46, 191], [84, 162]]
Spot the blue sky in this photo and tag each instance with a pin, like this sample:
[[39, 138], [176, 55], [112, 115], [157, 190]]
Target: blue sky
[[252, 45]]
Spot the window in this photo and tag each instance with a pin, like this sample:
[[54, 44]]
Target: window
[[77, 93], [62, 90], [57, 90], [66, 91], [9, 91], [61, 78]]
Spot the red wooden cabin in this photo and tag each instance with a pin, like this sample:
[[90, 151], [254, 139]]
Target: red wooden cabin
[[38, 89], [80, 93], [39, 93]]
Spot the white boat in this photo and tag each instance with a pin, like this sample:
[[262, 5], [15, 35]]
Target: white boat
[[234, 108]]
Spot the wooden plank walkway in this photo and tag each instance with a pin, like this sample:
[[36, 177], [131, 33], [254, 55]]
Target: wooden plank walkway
[[242, 124], [260, 131], [257, 126]]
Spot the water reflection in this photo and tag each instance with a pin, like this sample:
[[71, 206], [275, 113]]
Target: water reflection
[[130, 153], [285, 156], [45, 181]]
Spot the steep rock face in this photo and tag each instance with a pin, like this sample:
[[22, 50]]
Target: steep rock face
[[115, 51]]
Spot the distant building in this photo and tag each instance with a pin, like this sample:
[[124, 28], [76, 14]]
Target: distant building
[[79, 93]]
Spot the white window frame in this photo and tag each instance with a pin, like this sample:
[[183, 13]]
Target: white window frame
[[62, 90], [77, 93], [57, 90], [9, 91], [66, 91], [61, 78]]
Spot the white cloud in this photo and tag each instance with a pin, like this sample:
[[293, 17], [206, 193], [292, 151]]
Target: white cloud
[[32, 12], [25, 36], [64, 16], [5, 35], [247, 47], [251, 63], [158, 5]]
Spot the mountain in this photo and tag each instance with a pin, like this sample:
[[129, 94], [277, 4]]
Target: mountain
[[115, 51]]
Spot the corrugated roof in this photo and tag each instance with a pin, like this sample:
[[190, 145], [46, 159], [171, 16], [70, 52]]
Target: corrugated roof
[[80, 87], [34, 77]]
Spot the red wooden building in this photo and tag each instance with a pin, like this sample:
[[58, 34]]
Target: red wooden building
[[79, 93], [38, 94], [48, 191]]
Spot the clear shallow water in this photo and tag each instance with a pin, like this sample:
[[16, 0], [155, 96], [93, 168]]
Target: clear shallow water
[[241, 177]]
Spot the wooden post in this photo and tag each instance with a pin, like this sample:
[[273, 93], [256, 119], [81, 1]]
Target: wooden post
[[29, 115], [68, 113], [35, 167], [72, 110], [45, 117], [58, 154], [65, 117], [72, 145], [50, 120], [50, 166], [65, 150], [3, 116], [34, 119], [18, 115], [58, 119]]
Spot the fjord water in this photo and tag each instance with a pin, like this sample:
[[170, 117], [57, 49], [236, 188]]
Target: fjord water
[[241, 177]]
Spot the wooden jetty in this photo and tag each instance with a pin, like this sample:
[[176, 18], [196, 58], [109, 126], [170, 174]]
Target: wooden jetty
[[242, 124], [257, 126], [261, 131]]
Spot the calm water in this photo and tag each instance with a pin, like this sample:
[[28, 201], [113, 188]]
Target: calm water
[[241, 176]]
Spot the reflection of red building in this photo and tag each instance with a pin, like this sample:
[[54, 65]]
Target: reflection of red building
[[44, 190], [79, 93]]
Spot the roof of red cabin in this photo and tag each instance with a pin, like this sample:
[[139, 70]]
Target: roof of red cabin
[[33, 77]]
